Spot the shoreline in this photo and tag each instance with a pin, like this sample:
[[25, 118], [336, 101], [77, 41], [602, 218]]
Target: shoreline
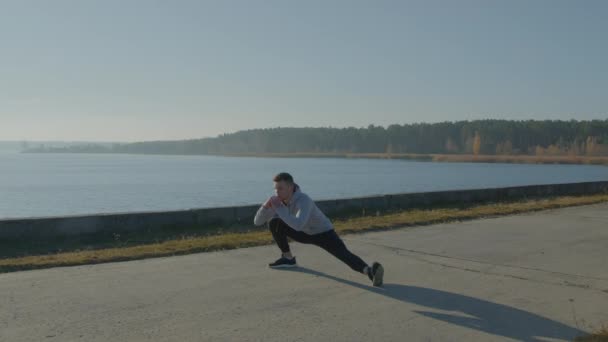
[[454, 158], [450, 158]]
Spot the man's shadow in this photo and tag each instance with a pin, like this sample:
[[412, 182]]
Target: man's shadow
[[489, 317]]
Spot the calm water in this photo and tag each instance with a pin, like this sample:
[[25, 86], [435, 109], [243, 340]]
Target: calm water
[[68, 184]]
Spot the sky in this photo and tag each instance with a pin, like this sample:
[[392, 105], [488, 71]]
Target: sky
[[163, 70]]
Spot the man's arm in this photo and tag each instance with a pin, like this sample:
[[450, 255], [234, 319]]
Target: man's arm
[[265, 213], [301, 217]]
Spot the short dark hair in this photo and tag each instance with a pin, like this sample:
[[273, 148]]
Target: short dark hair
[[283, 176]]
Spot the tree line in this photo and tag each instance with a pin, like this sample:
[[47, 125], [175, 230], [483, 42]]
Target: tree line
[[487, 137]]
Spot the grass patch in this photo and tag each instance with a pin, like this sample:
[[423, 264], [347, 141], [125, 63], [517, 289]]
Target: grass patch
[[599, 336], [140, 245]]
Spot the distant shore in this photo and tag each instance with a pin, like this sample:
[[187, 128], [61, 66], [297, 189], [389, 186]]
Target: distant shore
[[455, 158]]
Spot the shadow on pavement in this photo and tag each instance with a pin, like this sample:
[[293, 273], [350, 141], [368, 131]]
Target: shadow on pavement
[[489, 317]]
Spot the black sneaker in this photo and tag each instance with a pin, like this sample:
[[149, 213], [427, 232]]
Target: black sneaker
[[376, 274], [283, 262]]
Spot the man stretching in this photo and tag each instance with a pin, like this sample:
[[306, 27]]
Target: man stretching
[[291, 213]]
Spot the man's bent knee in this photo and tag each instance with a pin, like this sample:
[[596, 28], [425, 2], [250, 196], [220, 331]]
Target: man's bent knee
[[275, 224]]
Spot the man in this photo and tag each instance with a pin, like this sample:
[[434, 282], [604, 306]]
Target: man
[[291, 213]]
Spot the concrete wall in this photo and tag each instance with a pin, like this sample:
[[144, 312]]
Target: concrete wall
[[41, 228]]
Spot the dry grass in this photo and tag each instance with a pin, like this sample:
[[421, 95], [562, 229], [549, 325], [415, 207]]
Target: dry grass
[[599, 336], [460, 158], [522, 159], [187, 245], [421, 217]]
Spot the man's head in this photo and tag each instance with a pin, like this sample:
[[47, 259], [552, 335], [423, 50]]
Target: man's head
[[284, 185]]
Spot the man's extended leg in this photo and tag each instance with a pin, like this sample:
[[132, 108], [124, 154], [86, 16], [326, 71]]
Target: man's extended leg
[[331, 242]]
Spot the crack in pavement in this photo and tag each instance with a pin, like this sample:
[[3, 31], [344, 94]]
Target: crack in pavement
[[477, 261], [565, 283]]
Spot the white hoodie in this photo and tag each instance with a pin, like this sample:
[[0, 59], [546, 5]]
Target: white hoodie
[[301, 214]]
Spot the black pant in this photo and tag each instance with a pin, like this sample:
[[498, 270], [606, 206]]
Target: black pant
[[329, 241]]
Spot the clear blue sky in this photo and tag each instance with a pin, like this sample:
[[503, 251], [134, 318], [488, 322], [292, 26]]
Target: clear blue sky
[[147, 70]]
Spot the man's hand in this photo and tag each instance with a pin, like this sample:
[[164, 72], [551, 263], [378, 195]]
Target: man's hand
[[268, 203], [276, 202], [273, 202]]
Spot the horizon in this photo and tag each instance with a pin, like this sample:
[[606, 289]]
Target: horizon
[[190, 70], [277, 127]]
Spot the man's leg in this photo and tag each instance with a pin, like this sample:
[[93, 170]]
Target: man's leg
[[280, 231], [331, 242], [279, 235]]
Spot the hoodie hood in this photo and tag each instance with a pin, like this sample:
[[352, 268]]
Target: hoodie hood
[[297, 192]]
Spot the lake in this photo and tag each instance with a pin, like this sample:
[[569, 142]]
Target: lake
[[36, 185]]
